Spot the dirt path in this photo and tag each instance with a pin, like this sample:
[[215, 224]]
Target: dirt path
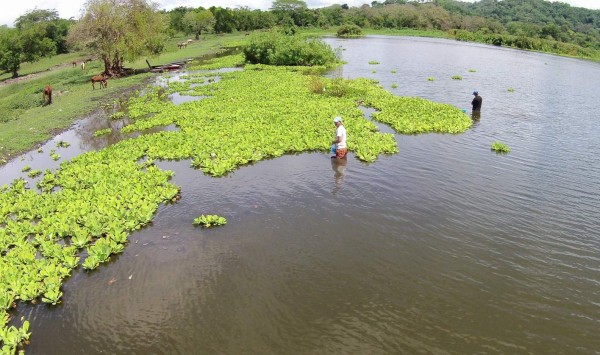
[[35, 75]]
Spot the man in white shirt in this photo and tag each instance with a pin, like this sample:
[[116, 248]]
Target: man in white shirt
[[340, 139]]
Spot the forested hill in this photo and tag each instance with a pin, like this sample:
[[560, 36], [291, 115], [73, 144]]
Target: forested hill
[[531, 15]]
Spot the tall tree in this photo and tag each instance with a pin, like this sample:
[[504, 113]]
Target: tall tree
[[288, 5], [199, 20], [23, 45], [118, 30], [48, 24]]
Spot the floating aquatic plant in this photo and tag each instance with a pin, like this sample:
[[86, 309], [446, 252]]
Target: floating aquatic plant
[[210, 220], [34, 173], [117, 115], [456, 77], [510, 89], [373, 62], [394, 86], [394, 71], [472, 70], [40, 150], [54, 156], [500, 147], [431, 78], [102, 132], [63, 144], [26, 168]]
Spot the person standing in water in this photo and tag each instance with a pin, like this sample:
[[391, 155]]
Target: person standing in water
[[476, 103], [340, 139]]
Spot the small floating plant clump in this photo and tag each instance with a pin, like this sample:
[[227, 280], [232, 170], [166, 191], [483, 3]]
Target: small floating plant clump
[[373, 62], [117, 115], [500, 147], [510, 89], [394, 71], [34, 173], [26, 168], [210, 220], [431, 78], [456, 77], [394, 85], [63, 144], [102, 132], [472, 70]]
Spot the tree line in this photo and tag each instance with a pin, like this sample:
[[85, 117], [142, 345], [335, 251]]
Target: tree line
[[123, 30]]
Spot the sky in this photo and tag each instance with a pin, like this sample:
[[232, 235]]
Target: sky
[[72, 8]]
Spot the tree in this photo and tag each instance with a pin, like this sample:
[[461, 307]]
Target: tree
[[47, 24], [118, 30], [288, 5], [176, 18], [224, 20], [23, 45], [199, 20]]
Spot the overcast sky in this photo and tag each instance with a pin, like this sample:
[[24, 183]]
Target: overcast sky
[[72, 8]]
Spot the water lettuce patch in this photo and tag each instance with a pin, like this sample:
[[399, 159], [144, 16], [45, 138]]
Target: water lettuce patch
[[210, 220], [93, 202], [500, 147]]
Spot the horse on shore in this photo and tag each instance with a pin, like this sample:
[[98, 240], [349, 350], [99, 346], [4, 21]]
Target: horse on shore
[[47, 95], [99, 79]]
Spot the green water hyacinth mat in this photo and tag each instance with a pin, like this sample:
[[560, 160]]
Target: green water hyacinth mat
[[93, 202]]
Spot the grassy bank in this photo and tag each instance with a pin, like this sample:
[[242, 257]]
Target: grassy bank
[[25, 122]]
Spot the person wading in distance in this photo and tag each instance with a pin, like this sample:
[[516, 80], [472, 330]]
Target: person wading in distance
[[476, 103], [340, 139]]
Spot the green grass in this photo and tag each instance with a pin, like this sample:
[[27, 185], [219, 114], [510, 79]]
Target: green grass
[[46, 63], [24, 122]]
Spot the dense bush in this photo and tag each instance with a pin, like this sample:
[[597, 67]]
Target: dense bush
[[528, 43], [349, 30], [275, 48]]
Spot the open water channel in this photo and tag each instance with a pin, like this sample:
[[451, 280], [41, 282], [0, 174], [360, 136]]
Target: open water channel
[[445, 247]]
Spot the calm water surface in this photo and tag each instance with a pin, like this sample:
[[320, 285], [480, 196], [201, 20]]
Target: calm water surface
[[445, 247]]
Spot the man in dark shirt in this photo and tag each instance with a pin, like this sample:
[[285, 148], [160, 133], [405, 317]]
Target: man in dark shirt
[[476, 101]]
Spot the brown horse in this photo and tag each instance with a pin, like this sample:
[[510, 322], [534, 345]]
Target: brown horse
[[74, 64], [47, 95], [99, 79]]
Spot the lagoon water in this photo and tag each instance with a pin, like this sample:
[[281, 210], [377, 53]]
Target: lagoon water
[[445, 247]]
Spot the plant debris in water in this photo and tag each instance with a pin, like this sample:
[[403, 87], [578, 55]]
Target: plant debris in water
[[102, 132], [210, 220], [500, 147]]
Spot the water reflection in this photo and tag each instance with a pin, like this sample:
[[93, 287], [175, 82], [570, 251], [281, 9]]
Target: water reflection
[[339, 173], [475, 116]]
